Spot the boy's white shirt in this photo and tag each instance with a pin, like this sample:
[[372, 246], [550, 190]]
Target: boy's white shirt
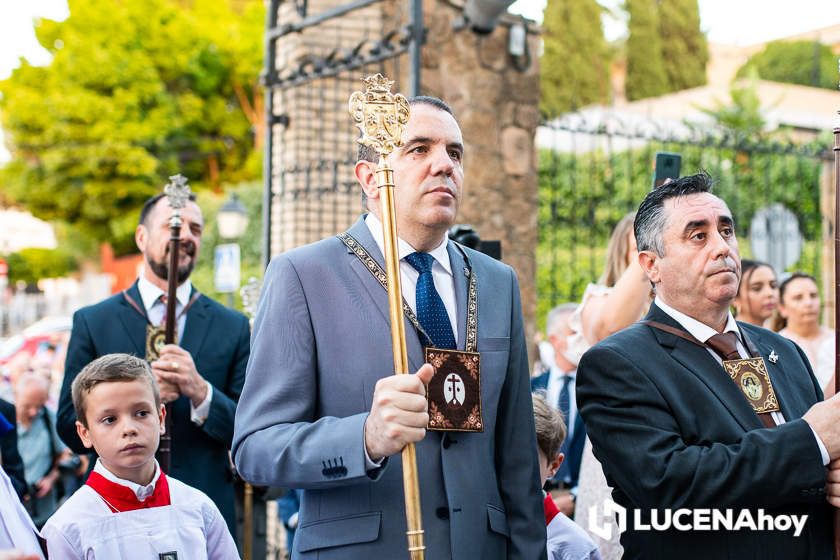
[[84, 527]]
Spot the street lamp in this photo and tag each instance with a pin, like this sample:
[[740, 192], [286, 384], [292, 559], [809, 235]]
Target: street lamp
[[232, 220]]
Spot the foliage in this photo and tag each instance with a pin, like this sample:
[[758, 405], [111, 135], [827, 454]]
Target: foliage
[[743, 116], [684, 49], [807, 63], [136, 91], [574, 68], [583, 196], [646, 76], [250, 245], [31, 265]]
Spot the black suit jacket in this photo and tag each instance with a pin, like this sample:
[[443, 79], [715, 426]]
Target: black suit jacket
[[12, 462], [218, 340], [672, 430]]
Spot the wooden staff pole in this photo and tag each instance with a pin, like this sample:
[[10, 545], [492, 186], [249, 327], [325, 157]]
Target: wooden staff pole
[[381, 116], [177, 194], [250, 293]]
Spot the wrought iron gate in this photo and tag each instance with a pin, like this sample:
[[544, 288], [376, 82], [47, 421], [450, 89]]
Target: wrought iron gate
[[316, 53]]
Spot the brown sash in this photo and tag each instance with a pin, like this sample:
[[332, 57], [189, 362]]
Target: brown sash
[[765, 417]]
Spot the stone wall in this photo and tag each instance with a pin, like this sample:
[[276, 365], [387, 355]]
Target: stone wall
[[495, 99]]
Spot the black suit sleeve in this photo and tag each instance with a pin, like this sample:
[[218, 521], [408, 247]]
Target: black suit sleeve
[[638, 435], [80, 352], [219, 423], [12, 462]]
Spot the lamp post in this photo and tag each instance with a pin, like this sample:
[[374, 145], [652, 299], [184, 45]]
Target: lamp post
[[232, 221]]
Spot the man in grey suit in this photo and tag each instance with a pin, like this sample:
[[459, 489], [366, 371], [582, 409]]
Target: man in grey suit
[[320, 410]]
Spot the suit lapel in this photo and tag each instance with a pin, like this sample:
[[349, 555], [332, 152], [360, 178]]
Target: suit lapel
[[378, 295], [702, 365], [790, 406], [459, 274], [196, 326], [133, 322]]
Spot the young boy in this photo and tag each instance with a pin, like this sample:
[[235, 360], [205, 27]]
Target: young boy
[[129, 508], [565, 539]]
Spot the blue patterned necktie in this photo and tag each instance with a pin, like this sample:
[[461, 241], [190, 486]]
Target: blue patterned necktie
[[430, 309], [564, 473], [564, 402]]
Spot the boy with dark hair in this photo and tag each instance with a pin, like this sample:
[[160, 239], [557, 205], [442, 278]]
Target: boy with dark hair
[[129, 508], [565, 539]]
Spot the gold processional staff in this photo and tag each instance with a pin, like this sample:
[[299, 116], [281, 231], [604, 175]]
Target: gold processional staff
[[382, 116]]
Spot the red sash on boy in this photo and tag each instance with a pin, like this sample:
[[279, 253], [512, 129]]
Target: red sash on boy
[[120, 498], [550, 508]]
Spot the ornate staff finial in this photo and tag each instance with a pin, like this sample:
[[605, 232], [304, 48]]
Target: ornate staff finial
[[177, 191], [379, 114]]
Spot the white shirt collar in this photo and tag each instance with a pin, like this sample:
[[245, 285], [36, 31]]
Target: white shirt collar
[[150, 293], [558, 373], [142, 492], [698, 330], [440, 254]]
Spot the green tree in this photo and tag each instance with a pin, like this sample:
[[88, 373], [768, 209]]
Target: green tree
[[807, 63], [646, 75], [574, 68], [742, 117], [137, 90], [31, 265], [684, 49]]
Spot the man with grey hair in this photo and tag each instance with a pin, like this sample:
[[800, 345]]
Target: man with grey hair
[[673, 414], [558, 382], [39, 445]]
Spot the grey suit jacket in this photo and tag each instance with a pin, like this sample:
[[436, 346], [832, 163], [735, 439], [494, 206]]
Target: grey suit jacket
[[321, 341]]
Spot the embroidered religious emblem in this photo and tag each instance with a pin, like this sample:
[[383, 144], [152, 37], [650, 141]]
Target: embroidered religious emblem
[[156, 340], [773, 357], [168, 555], [752, 378], [454, 392]]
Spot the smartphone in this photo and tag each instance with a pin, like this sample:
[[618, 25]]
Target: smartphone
[[666, 166]]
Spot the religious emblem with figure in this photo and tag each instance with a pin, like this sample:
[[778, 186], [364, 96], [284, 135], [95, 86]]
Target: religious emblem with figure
[[454, 391]]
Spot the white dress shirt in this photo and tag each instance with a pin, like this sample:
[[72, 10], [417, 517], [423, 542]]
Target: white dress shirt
[[552, 394], [155, 309], [441, 272], [142, 492], [703, 332]]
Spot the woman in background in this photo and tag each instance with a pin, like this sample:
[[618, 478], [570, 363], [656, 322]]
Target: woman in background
[[758, 293], [621, 297], [799, 320]]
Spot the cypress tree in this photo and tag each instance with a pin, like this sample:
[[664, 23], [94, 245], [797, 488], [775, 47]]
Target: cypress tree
[[646, 75], [574, 68], [684, 49]]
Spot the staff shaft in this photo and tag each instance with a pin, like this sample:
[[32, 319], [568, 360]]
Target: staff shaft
[[413, 515], [165, 448]]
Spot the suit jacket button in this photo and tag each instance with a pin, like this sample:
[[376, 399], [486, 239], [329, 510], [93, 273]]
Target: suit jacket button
[[442, 513]]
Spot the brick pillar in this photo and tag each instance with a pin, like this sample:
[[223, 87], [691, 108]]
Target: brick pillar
[[495, 103]]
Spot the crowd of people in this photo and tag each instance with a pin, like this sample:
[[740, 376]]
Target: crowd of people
[[660, 389]]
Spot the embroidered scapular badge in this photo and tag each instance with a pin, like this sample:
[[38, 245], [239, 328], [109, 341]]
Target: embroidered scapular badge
[[155, 341], [454, 393], [751, 377], [168, 555]]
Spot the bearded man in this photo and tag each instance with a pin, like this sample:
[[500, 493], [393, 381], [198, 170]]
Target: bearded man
[[202, 375]]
